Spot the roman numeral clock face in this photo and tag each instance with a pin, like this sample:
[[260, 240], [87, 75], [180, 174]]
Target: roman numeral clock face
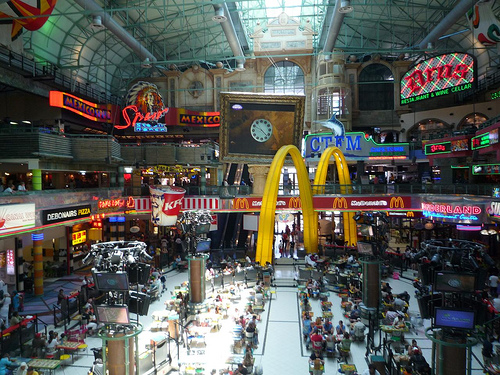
[[261, 130]]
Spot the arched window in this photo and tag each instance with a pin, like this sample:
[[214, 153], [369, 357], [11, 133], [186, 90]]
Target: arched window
[[376, 88], [284, 77], [472, 122], [429, 129]]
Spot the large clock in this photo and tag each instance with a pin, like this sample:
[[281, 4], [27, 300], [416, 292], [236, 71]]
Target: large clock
[[261, 130], [196, 89]]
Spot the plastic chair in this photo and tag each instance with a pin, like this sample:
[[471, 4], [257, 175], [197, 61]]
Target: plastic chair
[[343, 355]]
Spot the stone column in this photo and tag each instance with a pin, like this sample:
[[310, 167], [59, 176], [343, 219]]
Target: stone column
[[259, 173]]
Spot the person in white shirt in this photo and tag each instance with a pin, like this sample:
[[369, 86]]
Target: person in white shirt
[[21, 186], [309, 261]]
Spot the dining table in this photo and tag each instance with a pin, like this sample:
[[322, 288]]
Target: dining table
[[45, 364]]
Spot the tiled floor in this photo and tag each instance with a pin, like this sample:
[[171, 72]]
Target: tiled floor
[[281, 350]]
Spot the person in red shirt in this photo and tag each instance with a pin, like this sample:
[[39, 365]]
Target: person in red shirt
[[317, 340]]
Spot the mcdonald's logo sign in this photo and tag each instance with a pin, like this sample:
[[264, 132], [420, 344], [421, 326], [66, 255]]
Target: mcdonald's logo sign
[[410, 214], [339, 203], [240, 203], [294, 202], [396, 202]]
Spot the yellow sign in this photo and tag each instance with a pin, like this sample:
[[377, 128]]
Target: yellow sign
[[79, 237], [339, 203], [410, 214], [396, 202], [294, 202], [240, 203]]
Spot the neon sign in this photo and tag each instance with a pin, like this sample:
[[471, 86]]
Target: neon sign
[[485, 140], [139, 117], [116, 203], [10, 262], [197, 119], [78, 237], [452, 213], [485, 169], [144, 127], [89, 110], [494, 209], [438, 76], [438, 148], [355, 146]]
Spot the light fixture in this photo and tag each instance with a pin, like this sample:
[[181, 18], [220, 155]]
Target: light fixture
[[219, 15], [240, 67], [346, 7], [146, 63], [13, 123], [26, 122], [96, 24]]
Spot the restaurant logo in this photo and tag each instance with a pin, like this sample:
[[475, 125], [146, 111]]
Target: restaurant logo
[[89, 110], [144, 108], [64, 214], [410, 214], [240, 203], [116, 203], [294, 202], [396, 202], [339, 203]]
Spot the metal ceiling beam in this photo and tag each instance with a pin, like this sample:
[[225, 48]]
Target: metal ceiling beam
[[116, 29], [451, 18], [232, 38]]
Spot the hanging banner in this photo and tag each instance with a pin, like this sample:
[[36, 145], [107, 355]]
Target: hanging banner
[[14, 217], [484, 23]]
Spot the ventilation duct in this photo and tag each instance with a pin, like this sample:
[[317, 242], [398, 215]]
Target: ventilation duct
[[96, 23], [219, 15], [231, 37]]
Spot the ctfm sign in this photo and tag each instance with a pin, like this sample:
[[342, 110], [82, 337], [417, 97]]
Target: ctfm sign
[[354, 145]]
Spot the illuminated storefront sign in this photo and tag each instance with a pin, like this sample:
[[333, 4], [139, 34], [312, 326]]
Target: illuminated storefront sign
[[453, 213], [16, 217], [109, 205], [355, 146], [438, 76], [92, 111], [460, 145], [438, 148], [79, 237], [11, 264], [330, 203], [494, 210], [485, 140], [64, 214], [485, 169]]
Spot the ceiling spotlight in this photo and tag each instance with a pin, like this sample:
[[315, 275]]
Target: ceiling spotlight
[[346, 7], [146, 63], [240, 67], [219, 15], [96, 23]]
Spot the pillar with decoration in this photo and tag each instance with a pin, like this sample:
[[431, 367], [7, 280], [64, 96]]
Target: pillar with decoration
[[37, 239], [259, 174]]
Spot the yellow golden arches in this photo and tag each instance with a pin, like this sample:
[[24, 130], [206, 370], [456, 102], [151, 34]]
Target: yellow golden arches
[[350, 231], [268, 208]]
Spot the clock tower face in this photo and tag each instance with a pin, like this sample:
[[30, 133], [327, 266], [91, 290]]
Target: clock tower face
[[261, 130]]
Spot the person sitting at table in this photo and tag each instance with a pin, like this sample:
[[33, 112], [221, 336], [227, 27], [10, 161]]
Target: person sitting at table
[[398, 322], [412, 347], [354, 314], [316, 363], [345, 344], [389, 298], [92, 324], [38, 345], [248, 358], [32, 371], [89, 305], [359, 330], [177, 261], [52, 342], [419, 363], [390, 315], [241, 370], [15, 319], [317, 340], [341, 328], [6, 364], [328, 326], [353, 291], [22, 369], [306, 328], [399, 304], [311, 260]]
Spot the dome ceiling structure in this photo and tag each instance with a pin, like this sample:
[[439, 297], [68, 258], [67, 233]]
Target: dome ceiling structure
[[110, 43]]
